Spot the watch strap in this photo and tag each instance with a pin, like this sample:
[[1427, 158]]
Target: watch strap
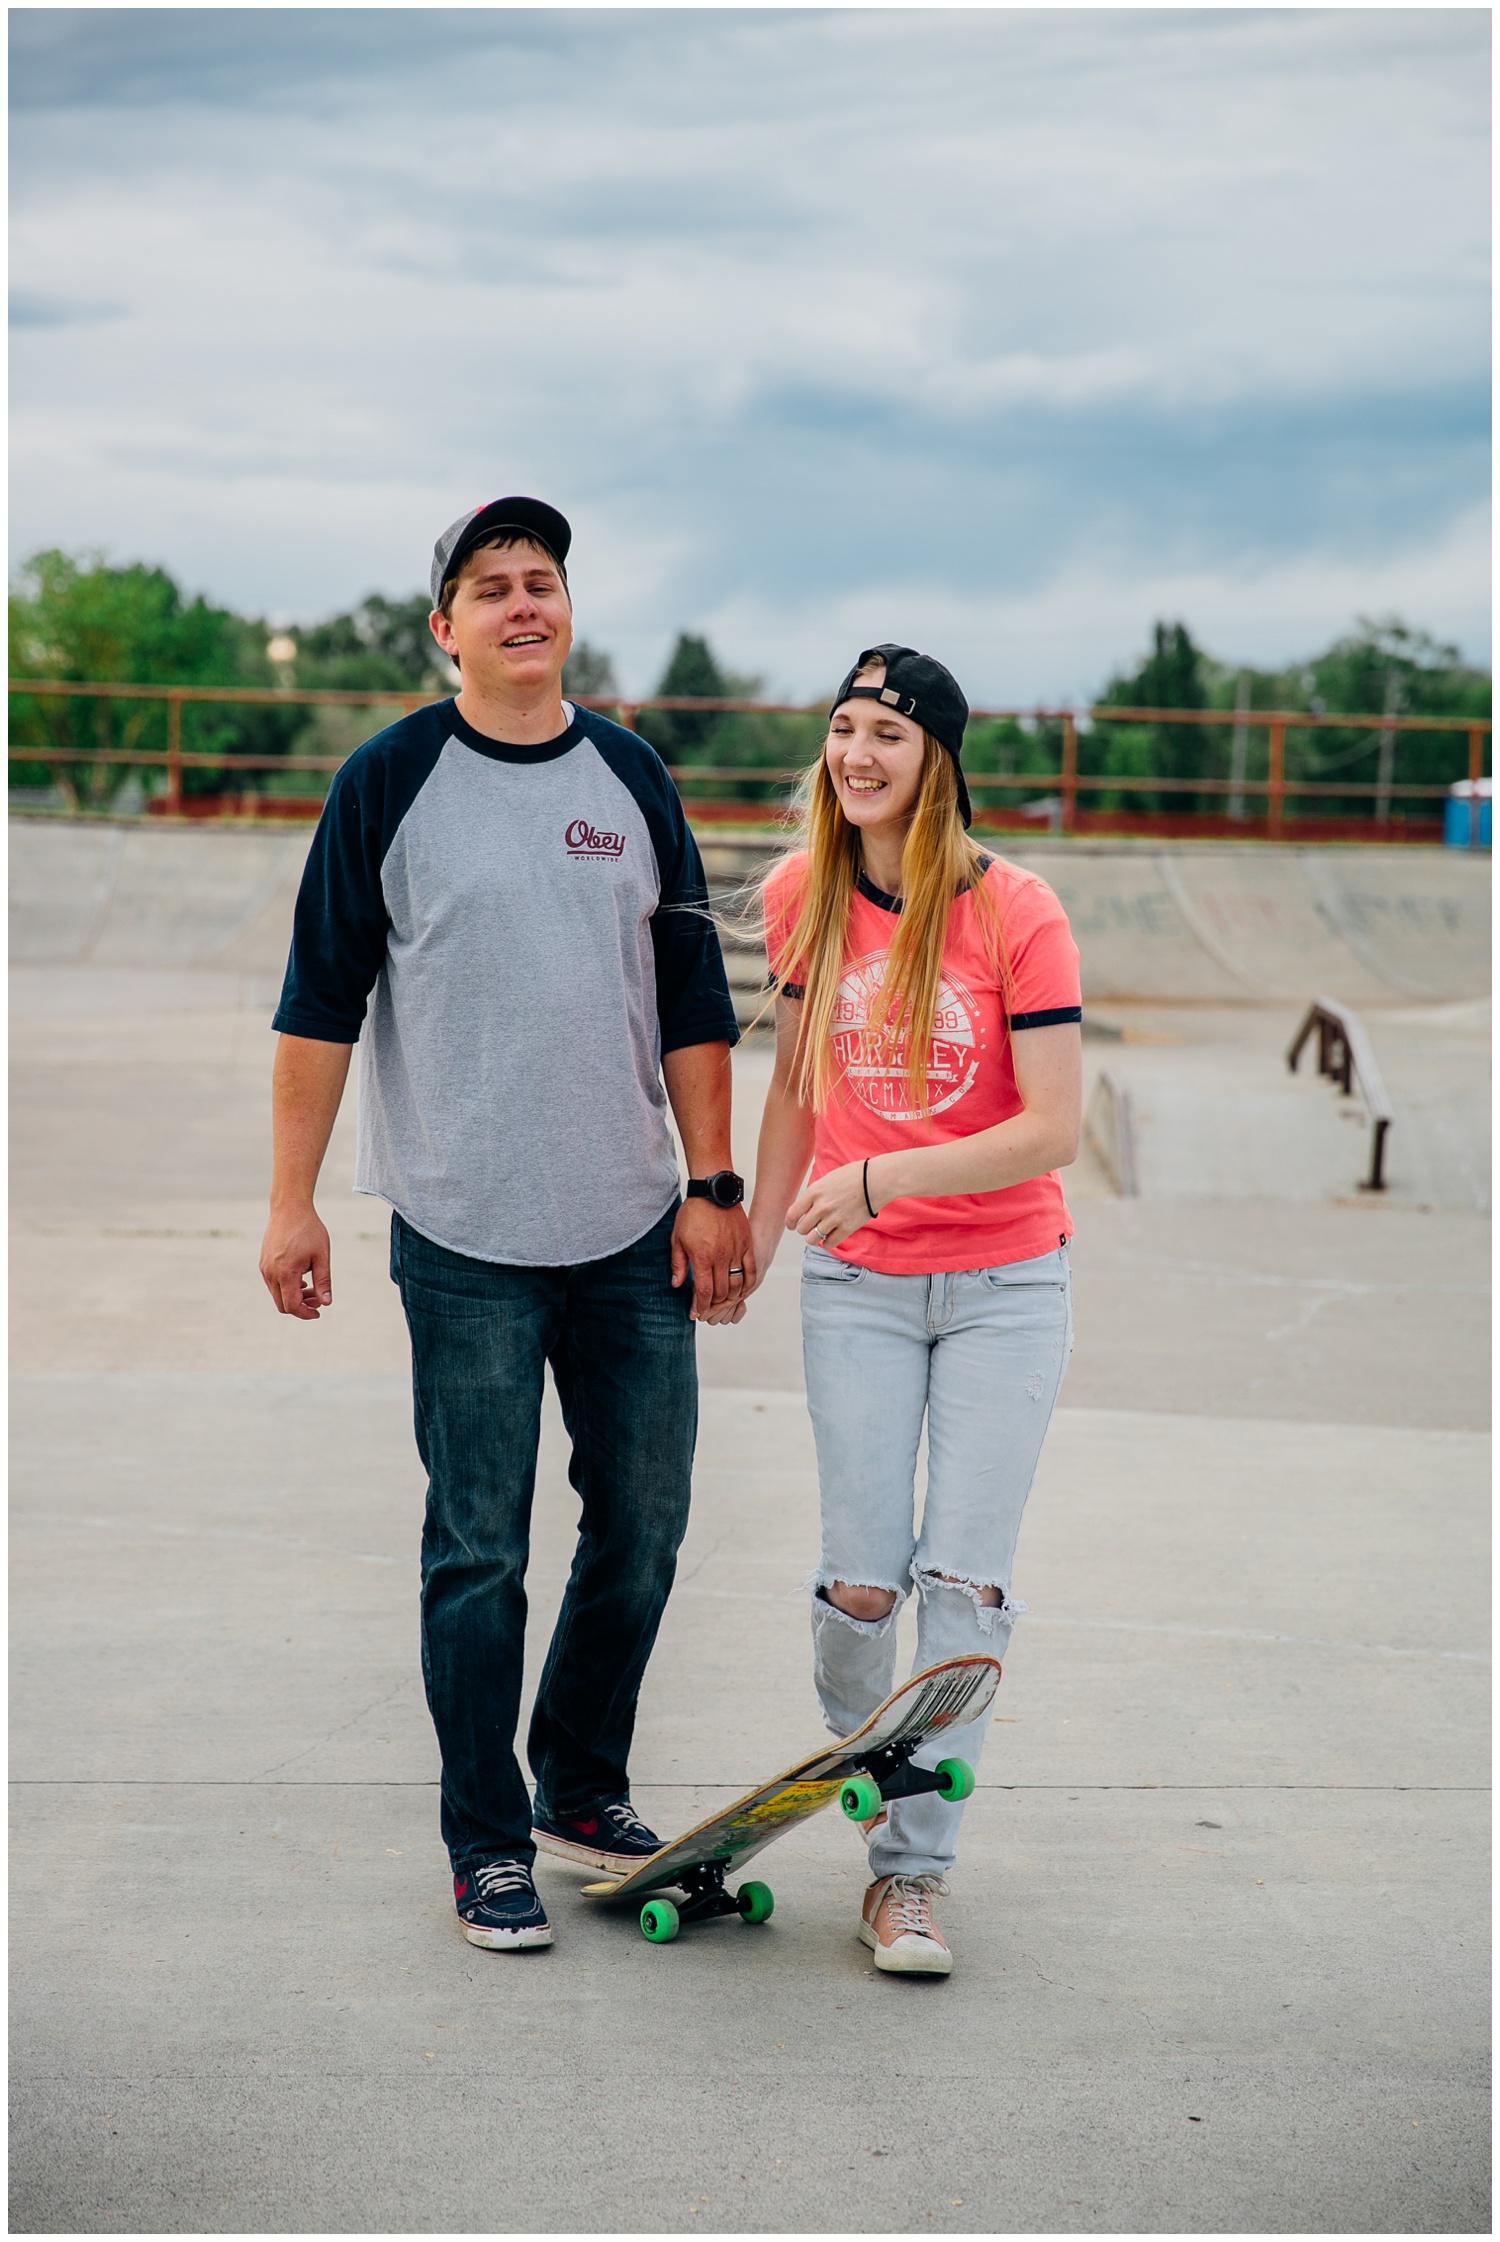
[[725, 1189]]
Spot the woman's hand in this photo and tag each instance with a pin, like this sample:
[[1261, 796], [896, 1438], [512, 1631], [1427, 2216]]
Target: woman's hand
[[1042, 1136], [766, 1233], [764, 1239], [833, 1208], [784, 1153]]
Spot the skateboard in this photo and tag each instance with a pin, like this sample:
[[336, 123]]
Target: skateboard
[[872, 1765]]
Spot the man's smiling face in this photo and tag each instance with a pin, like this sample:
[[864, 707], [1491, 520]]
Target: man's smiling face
[[509, 624]]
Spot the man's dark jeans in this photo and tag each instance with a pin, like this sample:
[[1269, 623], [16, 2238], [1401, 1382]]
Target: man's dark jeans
[[621, 1346]]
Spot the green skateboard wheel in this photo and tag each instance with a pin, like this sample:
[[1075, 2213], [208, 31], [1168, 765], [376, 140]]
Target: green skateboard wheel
[[660, 1921], [860, 1798], [755, 1903], [958, 1779]]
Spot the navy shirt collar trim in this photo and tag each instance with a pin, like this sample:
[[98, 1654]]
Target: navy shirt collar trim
[[877, 895], [892, 903], [507, 751]]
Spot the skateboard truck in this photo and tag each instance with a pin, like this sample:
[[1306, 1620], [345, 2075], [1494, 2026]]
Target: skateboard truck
[[662, 1919], [705, 1894], [890, 1774]]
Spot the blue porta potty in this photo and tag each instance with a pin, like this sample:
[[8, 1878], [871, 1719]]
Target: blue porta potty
[[1458, 813]]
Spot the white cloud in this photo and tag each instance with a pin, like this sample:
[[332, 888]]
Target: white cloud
[[1106, 300], [1058, 645]]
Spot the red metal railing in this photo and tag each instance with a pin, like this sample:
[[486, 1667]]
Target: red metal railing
[[1277, 789]]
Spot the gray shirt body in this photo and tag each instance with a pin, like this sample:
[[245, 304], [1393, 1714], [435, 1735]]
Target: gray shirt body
[[529, 930]]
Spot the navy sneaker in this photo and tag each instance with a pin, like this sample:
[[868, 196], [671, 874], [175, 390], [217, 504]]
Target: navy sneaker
[[497, 1905], [609, 1835]]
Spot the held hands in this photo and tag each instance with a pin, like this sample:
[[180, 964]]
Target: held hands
[[833, 1208], [713, 1246]]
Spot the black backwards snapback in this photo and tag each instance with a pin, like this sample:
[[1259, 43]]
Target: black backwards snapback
[[918, 687], [542, 523]]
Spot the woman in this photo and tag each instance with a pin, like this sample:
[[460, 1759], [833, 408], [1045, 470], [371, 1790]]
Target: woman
[[928, 1069]]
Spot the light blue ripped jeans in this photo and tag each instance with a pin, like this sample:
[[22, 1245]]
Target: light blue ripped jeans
[[980, 1353]]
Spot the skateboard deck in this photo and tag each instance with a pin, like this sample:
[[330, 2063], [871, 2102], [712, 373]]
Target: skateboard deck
[[877, 1757]]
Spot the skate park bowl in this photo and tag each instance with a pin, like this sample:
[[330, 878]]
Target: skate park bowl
[[1194, 960], [121, 895], [1206, 924], [1219, 1906], [1209, 925]]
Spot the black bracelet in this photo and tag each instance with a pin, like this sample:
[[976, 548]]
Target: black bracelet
[[865, 1187]]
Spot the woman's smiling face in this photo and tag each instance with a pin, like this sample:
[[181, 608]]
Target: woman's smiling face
[[875, 760]]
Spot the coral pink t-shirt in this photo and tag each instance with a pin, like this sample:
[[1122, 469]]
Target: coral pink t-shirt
[[971, 1076]]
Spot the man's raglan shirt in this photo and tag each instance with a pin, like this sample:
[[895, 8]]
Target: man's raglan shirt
[[529, 930]]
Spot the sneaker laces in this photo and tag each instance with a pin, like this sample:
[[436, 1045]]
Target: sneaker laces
[[501, 1877], [908, 1903], [626, 1820]]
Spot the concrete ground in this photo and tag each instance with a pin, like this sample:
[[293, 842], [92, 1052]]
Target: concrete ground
[[1220, 1918]]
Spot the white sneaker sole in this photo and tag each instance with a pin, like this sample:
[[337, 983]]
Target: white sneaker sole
[[617, 1864], [910, 1956], [537, 1935]]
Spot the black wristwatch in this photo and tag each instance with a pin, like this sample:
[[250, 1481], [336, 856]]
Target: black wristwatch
[[726, 1189]]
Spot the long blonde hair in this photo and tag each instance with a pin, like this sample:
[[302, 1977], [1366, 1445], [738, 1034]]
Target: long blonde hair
[[939, 863]]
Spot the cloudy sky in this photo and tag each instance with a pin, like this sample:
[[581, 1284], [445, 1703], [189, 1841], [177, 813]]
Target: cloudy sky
[[1000, 331]]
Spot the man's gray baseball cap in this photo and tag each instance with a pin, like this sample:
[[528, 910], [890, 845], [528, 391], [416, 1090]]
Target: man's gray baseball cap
[[542, 523]]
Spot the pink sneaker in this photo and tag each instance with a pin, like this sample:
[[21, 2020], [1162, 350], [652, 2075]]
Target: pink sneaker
[[898, 1922]]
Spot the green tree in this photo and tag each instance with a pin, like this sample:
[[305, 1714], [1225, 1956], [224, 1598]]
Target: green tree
[[1010, 744], [693, 673], [589, 671], [381, 645], [1382, 664], [1173, 675], [76, 617], [747, 740], [382, 642], [1379, 666]]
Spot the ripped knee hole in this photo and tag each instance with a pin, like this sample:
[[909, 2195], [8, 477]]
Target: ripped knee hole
[[857, 1602], [989, 1595]]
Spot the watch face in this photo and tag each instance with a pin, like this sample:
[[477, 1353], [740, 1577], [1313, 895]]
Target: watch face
[[727, 1188]]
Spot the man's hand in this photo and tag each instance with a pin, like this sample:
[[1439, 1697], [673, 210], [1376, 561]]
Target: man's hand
[[714, 1240], [714, 1245], [295, 1263], [306, 1087]]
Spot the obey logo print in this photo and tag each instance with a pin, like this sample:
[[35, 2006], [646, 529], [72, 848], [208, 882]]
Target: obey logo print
[[584, 839]]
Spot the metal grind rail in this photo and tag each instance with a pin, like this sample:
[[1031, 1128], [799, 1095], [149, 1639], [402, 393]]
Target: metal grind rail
[[1346, 1057], [1276, 788]]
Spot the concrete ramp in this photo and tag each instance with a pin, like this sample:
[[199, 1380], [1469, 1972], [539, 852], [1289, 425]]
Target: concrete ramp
[[85, 894], [1371, 926], [1130, 929], [1418, 921], [1189, 924], [1221, 1130]]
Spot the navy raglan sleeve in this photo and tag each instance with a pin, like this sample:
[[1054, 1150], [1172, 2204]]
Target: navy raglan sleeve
[[339, 926], [692, 991]]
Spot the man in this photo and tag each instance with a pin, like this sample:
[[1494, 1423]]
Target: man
[[509, 883]]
